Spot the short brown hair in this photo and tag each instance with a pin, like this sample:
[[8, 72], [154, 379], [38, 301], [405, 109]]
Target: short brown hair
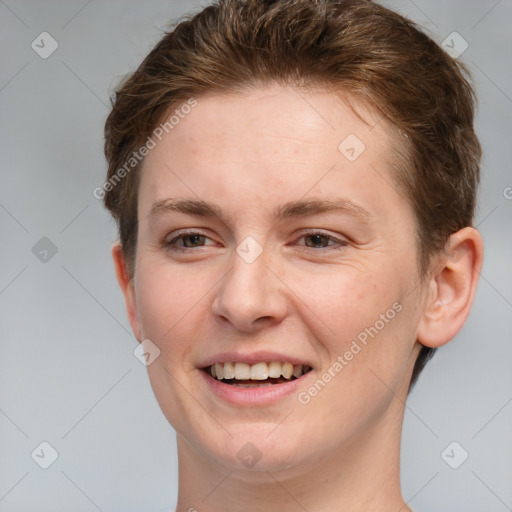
[[352, 45]]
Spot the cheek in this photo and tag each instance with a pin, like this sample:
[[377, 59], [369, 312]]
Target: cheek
[[367, 334], [345, 300], [171, 307], [363, 320], [174, 307], [164, 302]]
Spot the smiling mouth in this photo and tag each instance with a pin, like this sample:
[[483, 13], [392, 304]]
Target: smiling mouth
[[262, 374]]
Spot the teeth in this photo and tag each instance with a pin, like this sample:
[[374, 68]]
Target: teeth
[[274, 369], [219, 370], [287, 370], [259, 371], [242, 371], [229, 371]]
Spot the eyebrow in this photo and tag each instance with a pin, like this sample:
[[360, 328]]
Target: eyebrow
[[300, 208], [317, 206], [288, 210]]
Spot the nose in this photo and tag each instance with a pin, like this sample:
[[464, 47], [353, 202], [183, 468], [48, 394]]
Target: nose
[[250, 296]]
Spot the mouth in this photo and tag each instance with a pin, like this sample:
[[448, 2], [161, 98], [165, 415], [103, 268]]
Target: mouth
[[261, 374]]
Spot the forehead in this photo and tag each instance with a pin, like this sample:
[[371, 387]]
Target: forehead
[[278, 120], [270, 142]]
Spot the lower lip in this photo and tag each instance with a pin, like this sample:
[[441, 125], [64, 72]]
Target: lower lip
[[252, 396]]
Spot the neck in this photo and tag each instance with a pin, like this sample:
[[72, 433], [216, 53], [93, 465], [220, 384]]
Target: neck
[[363, 474]]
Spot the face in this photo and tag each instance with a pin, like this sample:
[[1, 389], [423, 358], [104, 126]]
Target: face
[[271, 234]]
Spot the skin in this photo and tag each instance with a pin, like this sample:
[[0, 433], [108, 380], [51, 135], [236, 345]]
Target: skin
[[305, 296]]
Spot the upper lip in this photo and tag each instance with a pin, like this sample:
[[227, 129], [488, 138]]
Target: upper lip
[[252, 358]]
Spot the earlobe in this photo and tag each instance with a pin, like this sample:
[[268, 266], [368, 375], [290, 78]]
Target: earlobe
[[452, 287], [126, 284]]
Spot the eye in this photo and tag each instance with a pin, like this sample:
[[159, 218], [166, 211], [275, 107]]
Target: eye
[[320, 240], [312, 240], [188, 240]]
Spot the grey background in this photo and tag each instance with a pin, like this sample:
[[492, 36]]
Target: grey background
[[68, 375]]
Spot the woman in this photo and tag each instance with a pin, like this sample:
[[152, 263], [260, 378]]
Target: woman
[[294, 185]]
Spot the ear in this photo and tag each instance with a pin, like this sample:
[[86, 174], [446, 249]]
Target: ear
[[452, 286], [126, 285]]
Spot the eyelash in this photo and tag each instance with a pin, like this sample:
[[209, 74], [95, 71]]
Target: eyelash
[[169, 245]]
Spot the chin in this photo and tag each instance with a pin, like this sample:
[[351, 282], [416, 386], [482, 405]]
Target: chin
[[257, 448]]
